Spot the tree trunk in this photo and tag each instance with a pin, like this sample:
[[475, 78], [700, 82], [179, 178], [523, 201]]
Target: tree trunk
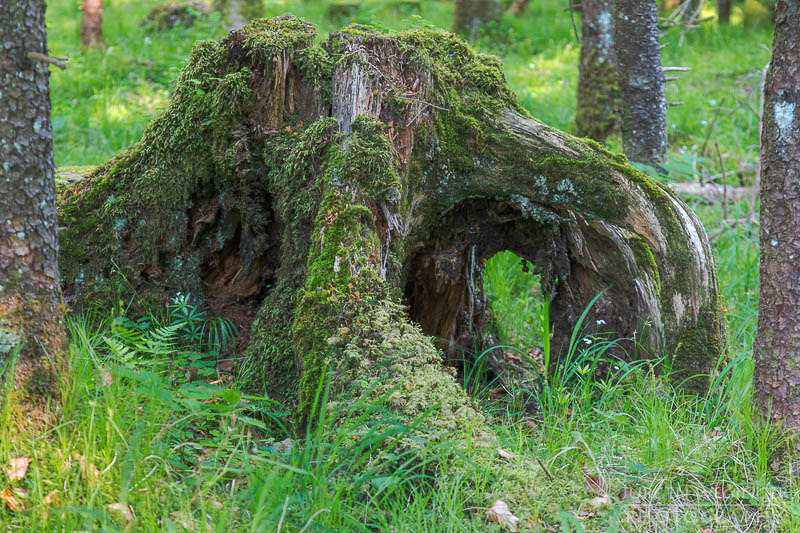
[[469, 16], [92, 24], [641, 82], [724, 11], [237, 13], [517, 7], [31, 313], [343, 197], [597, 111], [776, 355]]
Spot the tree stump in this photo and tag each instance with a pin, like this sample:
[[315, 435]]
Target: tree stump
[[338, 202]]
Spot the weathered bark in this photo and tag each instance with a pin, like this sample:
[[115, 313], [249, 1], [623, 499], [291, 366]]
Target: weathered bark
[[724, 11], [597, 111], [237, 13], [641, 82], [31, 313], [92, 24], [517, 7], [777, 360], [469, 16], [341, 193]]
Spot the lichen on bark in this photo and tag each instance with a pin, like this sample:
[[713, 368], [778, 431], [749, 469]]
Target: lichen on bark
[[338, 201]]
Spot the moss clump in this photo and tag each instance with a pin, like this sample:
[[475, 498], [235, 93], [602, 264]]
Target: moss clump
[[343, 281], [646, 261]]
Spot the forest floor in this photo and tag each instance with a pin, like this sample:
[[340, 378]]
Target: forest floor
[[151, 441]]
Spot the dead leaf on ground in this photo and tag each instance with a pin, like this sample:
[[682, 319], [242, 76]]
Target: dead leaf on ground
[[595, 484], [505, 455], [18, 467], [52, 497], [626, 495], [106, 378], [285, 445], [12, 499], [585, 514], [599, 501], [500, 513], [125, 512], [706, 530], [722, 492], [89, 471]]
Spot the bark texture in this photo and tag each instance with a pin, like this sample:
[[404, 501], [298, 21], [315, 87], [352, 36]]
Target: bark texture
[[641, 82], [469, 16], [31, 313], [92, 23], [340, 199], [777, 360], [597, 111]]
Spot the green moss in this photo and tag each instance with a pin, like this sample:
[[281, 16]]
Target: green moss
[[266, 38], [597, 113], [699, 341], [646, 260]]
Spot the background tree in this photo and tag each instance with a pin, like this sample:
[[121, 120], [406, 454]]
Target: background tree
[[31, 313], [776, 353], [517, 7], [470, 15], [724, 11], [92, 23], [641, 82], [237, 13], [597, 111]]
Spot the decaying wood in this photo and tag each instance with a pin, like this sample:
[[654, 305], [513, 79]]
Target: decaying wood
[[711, 192], [342, 202], [338, 201]]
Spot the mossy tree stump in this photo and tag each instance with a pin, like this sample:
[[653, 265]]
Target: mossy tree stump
[[339, 200]]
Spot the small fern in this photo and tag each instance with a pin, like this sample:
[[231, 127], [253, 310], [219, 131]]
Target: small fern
[[131, 344], [198, 331]]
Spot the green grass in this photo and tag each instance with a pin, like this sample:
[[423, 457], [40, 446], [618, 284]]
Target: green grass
[[171, 435]]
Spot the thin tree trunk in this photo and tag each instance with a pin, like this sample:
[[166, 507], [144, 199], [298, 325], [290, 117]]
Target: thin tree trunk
[[597, 111], [777, 359], [31, 313], [517, 7], [724, 11], [237, 13], [469, 16], [641, 82], [92, 24]]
